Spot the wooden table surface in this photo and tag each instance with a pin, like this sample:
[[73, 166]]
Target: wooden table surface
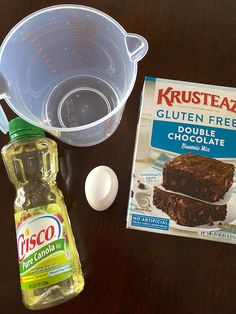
[[131, 271]]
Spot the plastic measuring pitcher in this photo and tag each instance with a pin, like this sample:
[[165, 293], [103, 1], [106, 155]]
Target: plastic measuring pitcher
[[69, 69]]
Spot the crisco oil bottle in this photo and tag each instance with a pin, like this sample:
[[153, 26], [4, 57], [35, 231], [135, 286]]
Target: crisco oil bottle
[[50, 270]]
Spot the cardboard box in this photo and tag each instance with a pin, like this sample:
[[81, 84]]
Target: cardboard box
[[183, 177]]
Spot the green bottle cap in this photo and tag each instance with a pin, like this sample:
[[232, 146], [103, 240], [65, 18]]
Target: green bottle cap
[[19, 128]]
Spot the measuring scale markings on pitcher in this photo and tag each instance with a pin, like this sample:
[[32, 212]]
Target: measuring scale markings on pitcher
[[86, 30], [40, 50]]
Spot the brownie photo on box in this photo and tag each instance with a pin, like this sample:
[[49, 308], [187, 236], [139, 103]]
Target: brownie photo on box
[[187, 211], [201, 177]]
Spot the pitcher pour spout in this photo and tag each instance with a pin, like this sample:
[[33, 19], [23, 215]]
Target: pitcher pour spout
[[3, 118], [137, 46]]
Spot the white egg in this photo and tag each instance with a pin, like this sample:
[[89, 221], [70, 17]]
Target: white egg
[[101, 187]]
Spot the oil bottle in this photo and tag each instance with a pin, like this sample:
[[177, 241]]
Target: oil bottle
[[49, 265]]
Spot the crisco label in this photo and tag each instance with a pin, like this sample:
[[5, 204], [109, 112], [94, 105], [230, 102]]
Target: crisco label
[[35, 233], [43, 249]]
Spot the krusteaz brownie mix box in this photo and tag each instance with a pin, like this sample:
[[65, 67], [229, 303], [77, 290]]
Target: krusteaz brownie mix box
[[183, 177]]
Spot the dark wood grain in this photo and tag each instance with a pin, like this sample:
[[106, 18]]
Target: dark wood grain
[[129, 271]]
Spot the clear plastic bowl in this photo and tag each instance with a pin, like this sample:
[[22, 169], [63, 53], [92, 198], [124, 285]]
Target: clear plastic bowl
[[69, 69]]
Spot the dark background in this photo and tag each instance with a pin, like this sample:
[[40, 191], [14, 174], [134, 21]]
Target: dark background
[[132, 271]]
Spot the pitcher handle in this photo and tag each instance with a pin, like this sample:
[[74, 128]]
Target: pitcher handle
[[3, 121], [137, 46], [3, 118]]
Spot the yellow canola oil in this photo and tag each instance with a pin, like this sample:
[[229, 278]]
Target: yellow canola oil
[[49, 265]]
